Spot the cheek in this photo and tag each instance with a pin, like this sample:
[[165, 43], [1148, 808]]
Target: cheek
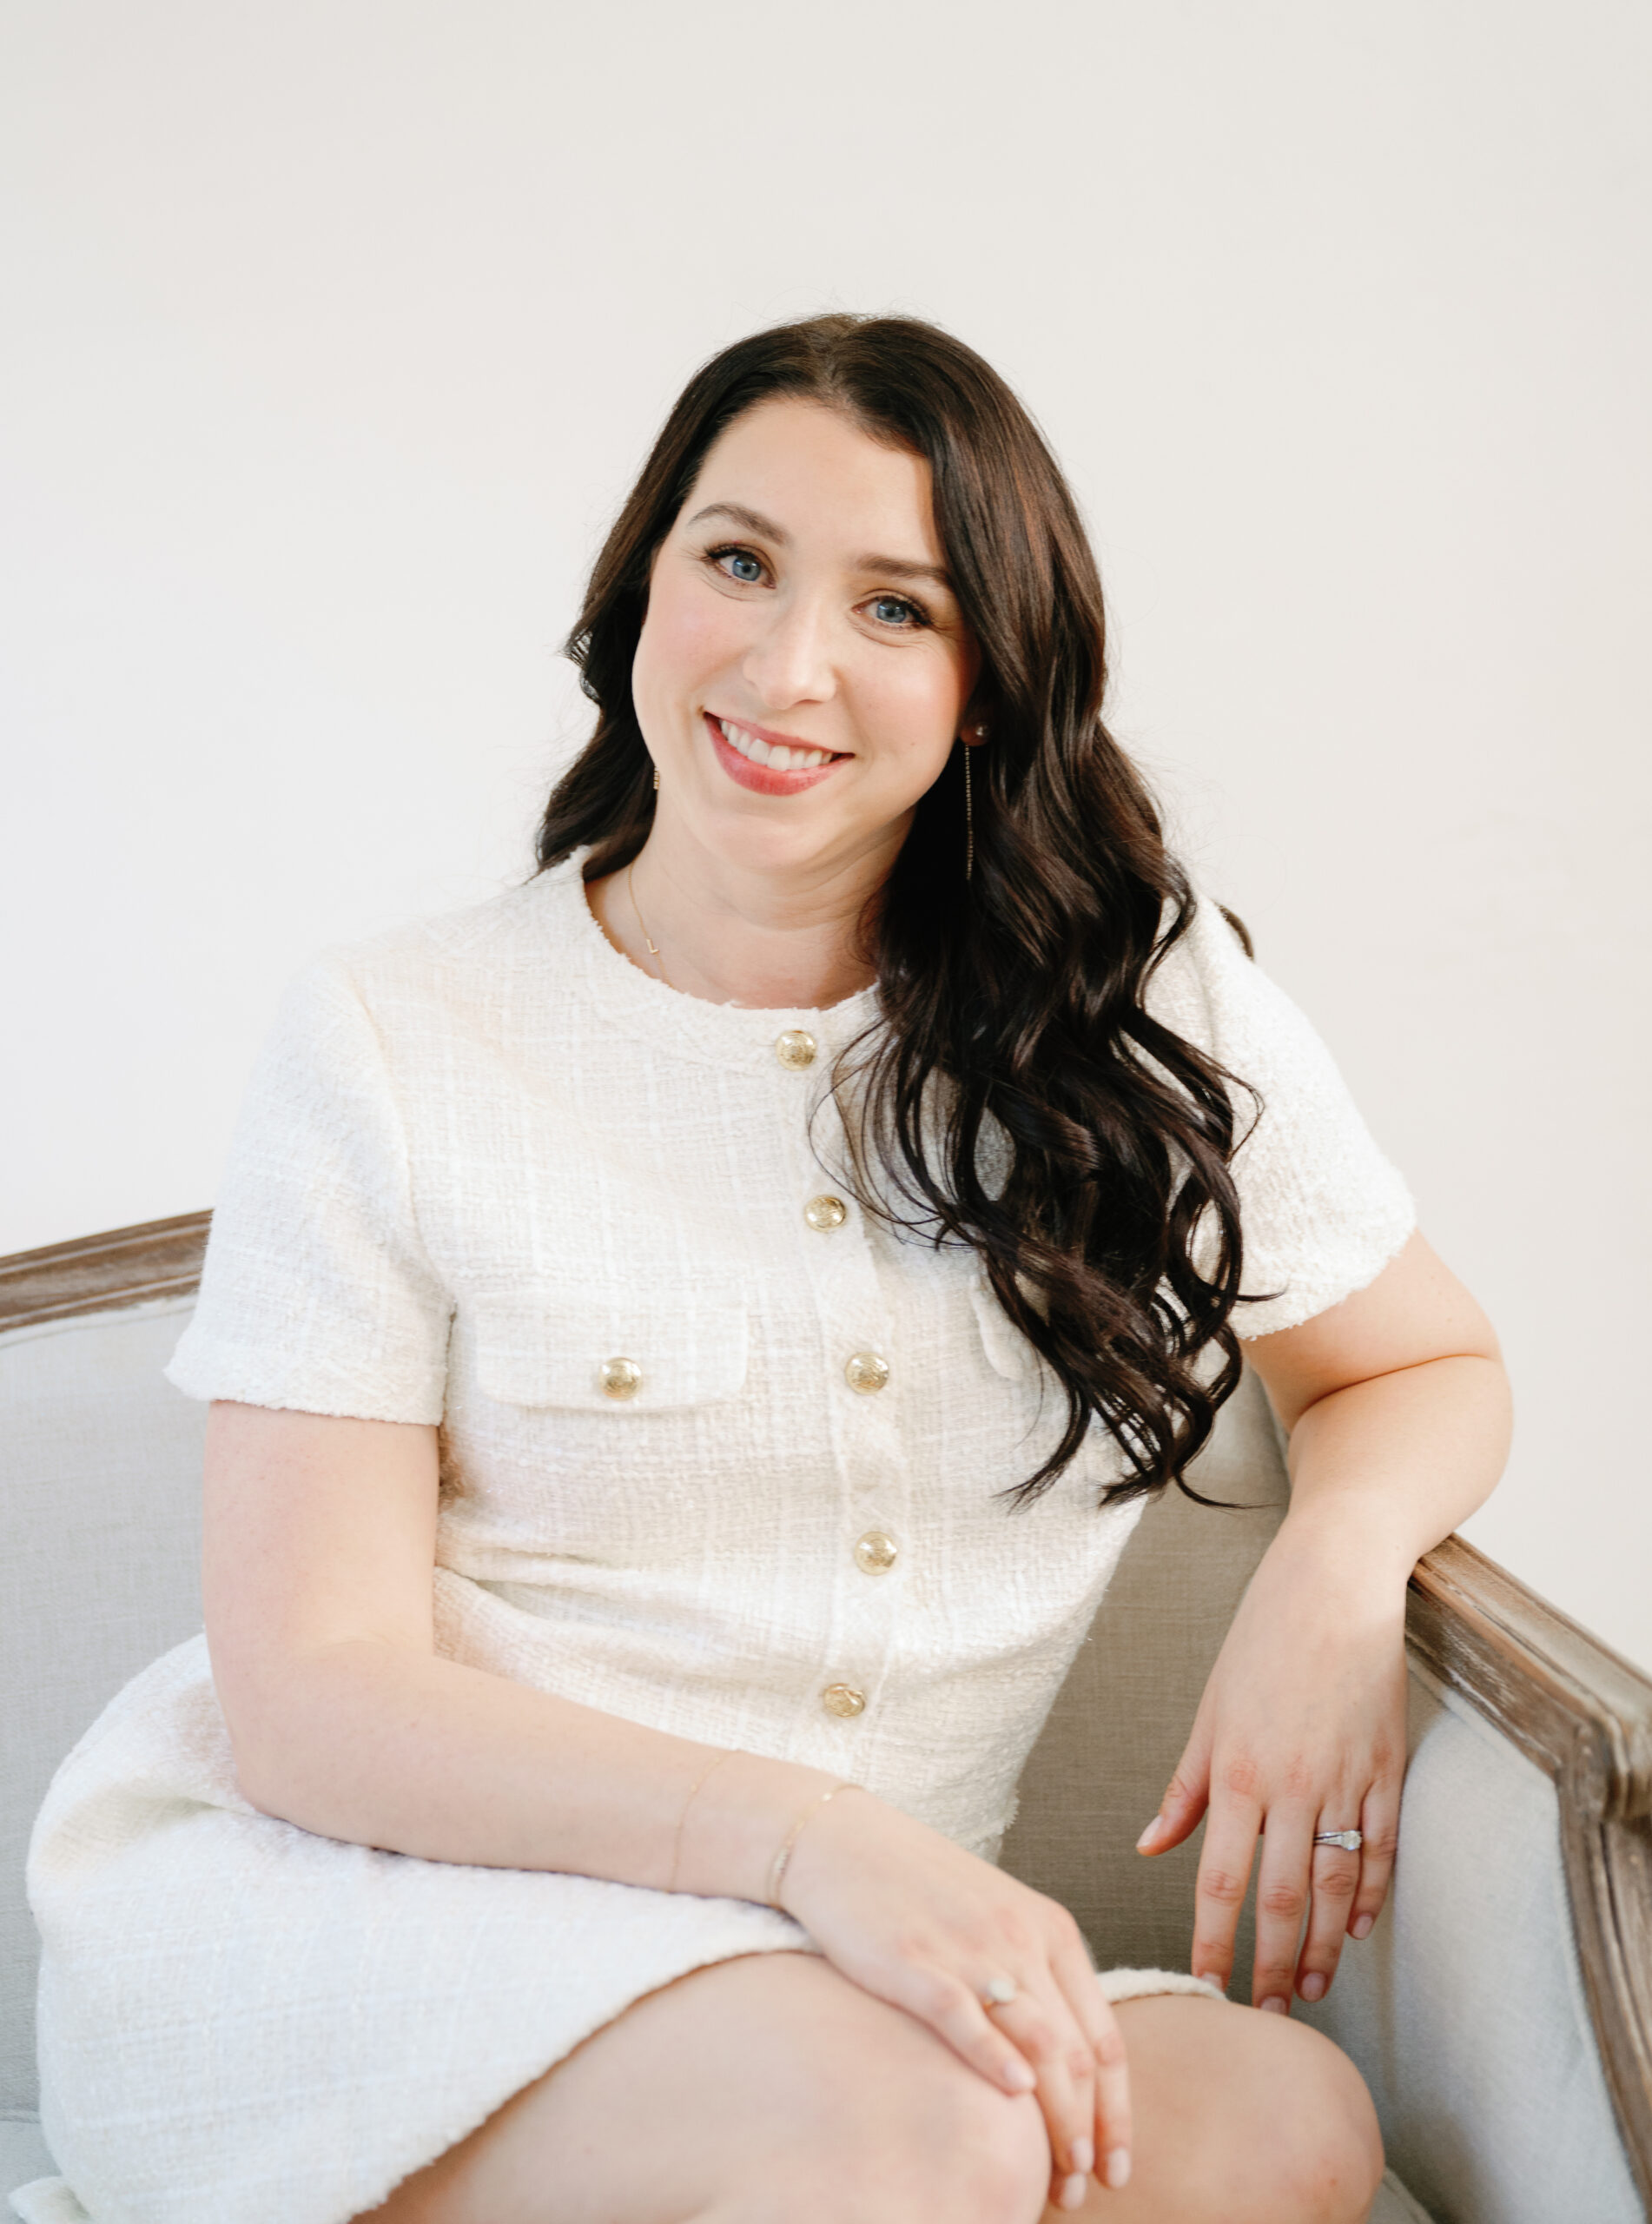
[[685, 640], [915, 703]]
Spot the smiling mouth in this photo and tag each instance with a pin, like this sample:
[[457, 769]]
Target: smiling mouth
[[783, 759], [773, 768]]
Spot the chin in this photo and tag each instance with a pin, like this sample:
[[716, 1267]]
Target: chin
[[743, 840]]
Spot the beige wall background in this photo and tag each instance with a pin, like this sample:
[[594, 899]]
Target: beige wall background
[[336, 330]]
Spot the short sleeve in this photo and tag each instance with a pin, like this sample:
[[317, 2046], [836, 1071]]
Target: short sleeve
[[1321, 1210], [317, 1294]]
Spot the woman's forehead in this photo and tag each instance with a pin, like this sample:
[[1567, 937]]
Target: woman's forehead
[[789, 468]]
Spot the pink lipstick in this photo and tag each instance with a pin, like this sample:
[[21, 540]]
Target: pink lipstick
[[766, 779]]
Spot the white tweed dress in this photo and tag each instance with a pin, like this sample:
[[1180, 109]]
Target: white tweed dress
[[482, 1158]]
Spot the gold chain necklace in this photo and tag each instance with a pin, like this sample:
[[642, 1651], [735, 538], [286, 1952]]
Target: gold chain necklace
[[653, 947]]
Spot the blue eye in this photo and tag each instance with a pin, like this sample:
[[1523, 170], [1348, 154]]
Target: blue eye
[[741, 565], [887, 603]]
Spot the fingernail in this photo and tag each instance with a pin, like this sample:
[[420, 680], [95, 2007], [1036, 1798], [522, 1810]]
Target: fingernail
[[1151, 1834], [1312, 1987], [1118, 2167], [1209, 1976], [1083, 2157], [1364, 1925], [1274, 2006], [1074, 2190], [1019, 2076]]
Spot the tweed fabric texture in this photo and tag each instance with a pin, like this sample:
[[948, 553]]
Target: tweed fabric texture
[[481, 1159]]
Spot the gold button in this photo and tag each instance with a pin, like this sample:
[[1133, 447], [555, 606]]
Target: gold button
[[843, 1700], [619, 1378], [875, 1553], [866, 1371], [795, 1049], [823, 1213]]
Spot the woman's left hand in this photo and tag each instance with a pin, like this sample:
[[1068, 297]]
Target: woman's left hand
[[1301, 1729]]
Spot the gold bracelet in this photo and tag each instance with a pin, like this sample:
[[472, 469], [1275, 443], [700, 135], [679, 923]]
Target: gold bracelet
[[700, 1783], [777, 1874]]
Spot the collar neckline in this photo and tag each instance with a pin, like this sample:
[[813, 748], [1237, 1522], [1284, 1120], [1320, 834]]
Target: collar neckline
[[670, 1019]]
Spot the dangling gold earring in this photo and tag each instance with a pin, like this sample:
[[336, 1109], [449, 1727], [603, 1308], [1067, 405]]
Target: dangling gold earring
[[656, 779], [969, 808]]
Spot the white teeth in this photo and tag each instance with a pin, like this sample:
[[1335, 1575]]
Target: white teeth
[[776, 755]]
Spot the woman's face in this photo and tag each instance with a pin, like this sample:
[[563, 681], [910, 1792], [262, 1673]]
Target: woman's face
[[800, 604]]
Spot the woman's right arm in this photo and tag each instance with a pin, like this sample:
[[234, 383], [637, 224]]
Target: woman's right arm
[[319, 1548], [320, 1544]]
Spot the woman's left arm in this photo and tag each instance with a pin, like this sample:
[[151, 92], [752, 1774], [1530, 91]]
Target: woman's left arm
[[1397, 1409]]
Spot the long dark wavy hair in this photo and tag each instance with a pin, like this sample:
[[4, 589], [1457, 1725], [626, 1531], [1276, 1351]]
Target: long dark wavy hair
[[1018, 1097]]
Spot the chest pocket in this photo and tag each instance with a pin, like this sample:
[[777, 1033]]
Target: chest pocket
[[536, 1345]]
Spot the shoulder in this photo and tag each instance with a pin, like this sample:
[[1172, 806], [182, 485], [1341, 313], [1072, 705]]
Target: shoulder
[[463, 961], [391, 1013], [1210, 989], [1206, 986], [1322, 1210], [529, 928]]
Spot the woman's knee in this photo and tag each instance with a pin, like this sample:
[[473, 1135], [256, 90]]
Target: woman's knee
[[985, 2154], [955, 2162], [1244, 2118], [904, 2132], [1327, 2148]]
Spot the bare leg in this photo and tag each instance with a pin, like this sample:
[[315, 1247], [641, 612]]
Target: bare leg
[[1241, 2118], [771, 2090]]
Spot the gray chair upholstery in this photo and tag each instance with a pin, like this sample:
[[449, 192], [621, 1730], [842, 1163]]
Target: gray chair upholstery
[[1503, 2060], [1467, 2009]]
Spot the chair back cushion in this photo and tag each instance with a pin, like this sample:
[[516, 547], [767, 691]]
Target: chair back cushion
[[100, 1547], [1096, 1774]]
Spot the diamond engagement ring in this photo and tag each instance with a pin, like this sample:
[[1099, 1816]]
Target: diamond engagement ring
[[999, 1993], [1350, 1841]]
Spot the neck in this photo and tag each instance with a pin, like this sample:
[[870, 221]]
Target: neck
[[770, 938]]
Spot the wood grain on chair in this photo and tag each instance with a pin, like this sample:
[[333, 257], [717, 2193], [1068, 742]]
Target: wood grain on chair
[[123, 1265], [1584, 1717]]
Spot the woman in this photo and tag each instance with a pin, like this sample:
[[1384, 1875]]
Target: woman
[[763, 1265]]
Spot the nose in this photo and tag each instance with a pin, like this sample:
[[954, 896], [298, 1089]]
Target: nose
[[790, 659]]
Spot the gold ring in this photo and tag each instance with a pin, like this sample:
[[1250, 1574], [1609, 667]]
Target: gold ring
[[999, 1993]]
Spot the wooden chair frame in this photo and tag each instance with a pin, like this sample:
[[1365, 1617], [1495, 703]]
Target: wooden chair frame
[[1579, 1712]]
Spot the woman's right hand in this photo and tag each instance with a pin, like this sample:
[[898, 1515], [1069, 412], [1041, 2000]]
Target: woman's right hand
[[912, 1917]]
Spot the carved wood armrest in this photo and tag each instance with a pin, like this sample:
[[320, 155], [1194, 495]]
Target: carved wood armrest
[[123, 1265], [1584, 1717]]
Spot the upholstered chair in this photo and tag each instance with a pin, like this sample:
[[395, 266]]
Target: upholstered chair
[[1501, 2012]]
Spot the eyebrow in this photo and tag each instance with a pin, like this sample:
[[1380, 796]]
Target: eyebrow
[[897, 567], [753, 520], [894, 567]]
